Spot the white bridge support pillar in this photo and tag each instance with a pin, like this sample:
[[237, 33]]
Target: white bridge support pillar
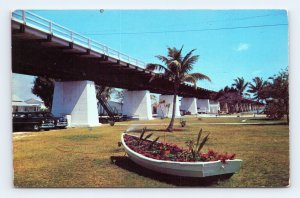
[[165, 108], [77, 99], [189, 104], [203, 105], [137, 104]]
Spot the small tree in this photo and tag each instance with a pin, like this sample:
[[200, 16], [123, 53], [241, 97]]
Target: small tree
[[276, 93], [44, 88]]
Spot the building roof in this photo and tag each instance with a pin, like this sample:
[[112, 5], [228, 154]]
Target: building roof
[[15, 98], [33, 101], [17, 101], [23, 104]]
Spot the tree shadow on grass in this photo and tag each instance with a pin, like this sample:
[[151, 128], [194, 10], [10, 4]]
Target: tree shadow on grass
[[125, 163], [268, 120]]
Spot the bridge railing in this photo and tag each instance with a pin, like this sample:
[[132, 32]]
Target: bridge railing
[[45, 25]]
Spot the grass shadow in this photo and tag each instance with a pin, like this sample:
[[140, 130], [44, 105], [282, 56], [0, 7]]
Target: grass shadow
[[127, 164]]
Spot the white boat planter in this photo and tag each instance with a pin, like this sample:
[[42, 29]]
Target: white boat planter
[[186, 169]]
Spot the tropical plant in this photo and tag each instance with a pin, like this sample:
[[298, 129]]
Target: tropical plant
[[276, 93], [256, 88], [182, 122], [240, 85], [195, 147], [44, 88], [142, 138], [177, 67]]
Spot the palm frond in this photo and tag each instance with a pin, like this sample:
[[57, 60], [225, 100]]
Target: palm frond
[[158, 67], [189, 79], [174, 53], [200, 76], [194, 77], [163, 59], [240, 84], [188, 64], [187, 56]]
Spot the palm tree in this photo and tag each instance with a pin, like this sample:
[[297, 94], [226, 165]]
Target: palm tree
[[240, 85], [177, 67], [257, 88]]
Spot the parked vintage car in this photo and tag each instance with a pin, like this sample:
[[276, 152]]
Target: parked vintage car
[[31, 120], [59, 122]]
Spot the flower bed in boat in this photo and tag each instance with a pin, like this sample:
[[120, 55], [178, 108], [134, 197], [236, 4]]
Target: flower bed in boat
[[171, 152]]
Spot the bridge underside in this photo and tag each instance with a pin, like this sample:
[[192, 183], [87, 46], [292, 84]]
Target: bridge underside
[[37, 53]]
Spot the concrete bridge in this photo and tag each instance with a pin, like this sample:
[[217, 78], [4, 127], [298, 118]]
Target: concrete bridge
[[43, 48]]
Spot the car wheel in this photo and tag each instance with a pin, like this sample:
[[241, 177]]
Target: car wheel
[[36, 127]]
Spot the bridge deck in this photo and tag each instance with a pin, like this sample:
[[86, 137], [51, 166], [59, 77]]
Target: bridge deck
[[41, 51]]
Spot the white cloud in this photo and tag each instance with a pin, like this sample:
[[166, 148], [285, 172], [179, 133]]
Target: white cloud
[[242, 47]]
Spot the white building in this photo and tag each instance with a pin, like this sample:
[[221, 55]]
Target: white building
[[203, 106], [208, 106], [30, 105], [214, 107]]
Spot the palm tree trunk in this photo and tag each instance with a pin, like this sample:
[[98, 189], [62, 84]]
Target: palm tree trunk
[[170, 127]]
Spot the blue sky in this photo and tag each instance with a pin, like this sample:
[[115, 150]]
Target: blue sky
[[231, 43]]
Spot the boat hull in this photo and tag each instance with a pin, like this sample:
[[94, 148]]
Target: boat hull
[[185, 169]]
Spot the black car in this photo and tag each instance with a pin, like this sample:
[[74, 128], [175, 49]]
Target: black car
[[31, 120], [59, 122]]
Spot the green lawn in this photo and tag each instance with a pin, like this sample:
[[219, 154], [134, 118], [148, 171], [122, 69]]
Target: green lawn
[[219, 119], [81, 157]]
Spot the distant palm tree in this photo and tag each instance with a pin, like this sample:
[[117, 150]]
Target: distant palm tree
[[256, 88], [240, 85], [177, 67]]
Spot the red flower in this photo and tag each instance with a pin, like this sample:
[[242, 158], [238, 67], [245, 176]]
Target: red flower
[[172, 151]]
